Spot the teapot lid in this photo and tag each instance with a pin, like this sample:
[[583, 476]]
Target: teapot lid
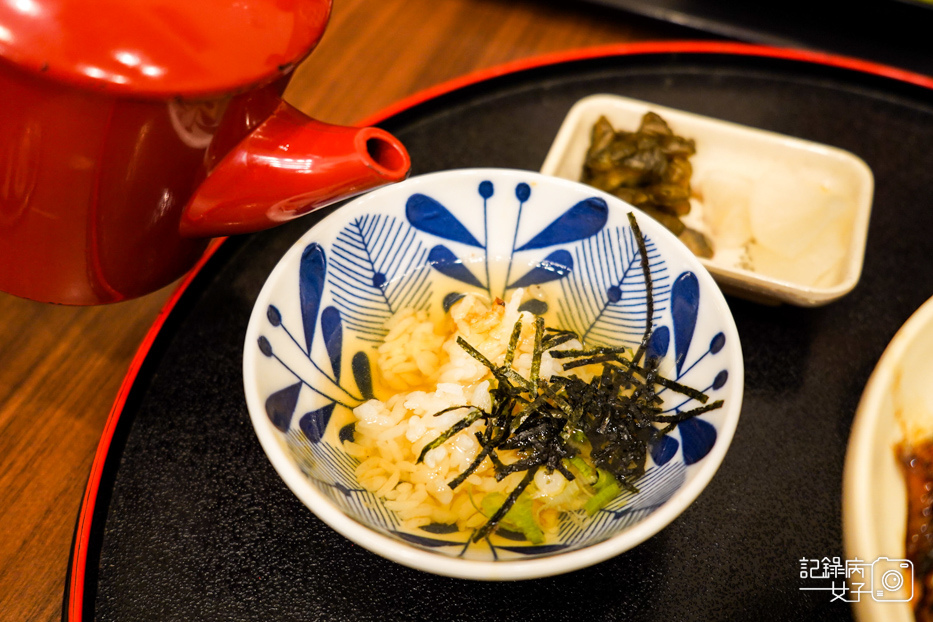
[[161, 47]]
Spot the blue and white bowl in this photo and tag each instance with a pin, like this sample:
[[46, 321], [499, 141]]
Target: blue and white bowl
[[316, 322]]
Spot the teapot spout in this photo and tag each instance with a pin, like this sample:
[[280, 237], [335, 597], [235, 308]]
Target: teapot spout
[[288, 166]]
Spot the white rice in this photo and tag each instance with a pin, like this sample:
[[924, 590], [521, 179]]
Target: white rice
[[423, 370]]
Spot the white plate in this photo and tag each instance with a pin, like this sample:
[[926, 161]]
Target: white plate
[[736, 150], [897, 403]]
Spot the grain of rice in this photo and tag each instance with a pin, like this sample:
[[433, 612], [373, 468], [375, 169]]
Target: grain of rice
[[415, 523], [368, 465], [389, 484], [373, 482], [391, 433], [355, 450]]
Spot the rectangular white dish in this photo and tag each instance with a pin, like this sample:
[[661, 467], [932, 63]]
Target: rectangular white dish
[[788, 218]]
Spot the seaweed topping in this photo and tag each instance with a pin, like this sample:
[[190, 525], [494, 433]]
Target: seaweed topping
[[601, 429], [649, 293]]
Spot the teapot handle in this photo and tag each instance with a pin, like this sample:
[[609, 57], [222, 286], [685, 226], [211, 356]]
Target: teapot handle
[[288, 166]]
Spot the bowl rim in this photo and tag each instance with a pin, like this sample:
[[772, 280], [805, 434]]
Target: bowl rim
[[858, 517], [414, 557], [739, 279]]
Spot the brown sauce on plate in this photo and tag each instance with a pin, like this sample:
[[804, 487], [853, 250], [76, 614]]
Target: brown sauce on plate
[[917, 465]]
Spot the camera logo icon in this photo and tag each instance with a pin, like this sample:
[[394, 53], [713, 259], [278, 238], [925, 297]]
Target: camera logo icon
[[892, 580]]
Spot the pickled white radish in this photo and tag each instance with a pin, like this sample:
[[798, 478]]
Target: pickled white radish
[[820, 264], [787, 211], [725, 207], [789, 224], [769, 263]]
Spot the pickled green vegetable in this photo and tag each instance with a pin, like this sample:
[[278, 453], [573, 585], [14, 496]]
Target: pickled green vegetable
[[648, 168]]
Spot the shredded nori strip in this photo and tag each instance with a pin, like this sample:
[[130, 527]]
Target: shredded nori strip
[[513, 343], [463, 424], [486, 529], [642, 371], [501, 373], [649, 294], [552, 341], [688, 414], [578, 352], [469, 470], [616, 411], [536, 354]]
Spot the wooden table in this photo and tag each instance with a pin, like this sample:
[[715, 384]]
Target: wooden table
[[61, 367]]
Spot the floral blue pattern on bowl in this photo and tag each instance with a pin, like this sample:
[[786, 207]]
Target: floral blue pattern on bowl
[[422, 244]]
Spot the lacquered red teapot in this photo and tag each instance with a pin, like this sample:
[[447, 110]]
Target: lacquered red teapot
[[132, 131]]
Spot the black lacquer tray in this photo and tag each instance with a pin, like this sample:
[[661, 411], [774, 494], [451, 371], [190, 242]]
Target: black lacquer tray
[[895, 32], [186, 519]]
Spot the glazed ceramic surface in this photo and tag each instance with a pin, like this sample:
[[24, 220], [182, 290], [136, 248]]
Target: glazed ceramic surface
[[311, 342], [748, 155], [131, 138], [896, 406], [160, 48]]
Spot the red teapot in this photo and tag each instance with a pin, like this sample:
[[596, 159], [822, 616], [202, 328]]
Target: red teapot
[[132, 131]]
